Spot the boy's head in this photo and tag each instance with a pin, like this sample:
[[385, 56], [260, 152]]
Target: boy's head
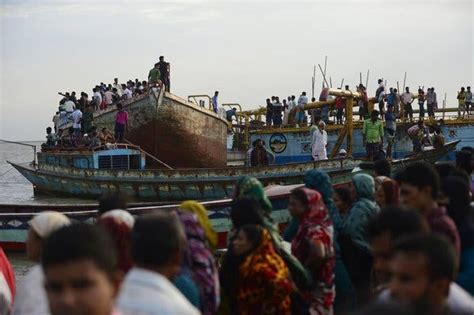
[[80, 268], [419, 185]]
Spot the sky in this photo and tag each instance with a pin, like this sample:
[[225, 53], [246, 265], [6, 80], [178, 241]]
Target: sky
[[247, 50]]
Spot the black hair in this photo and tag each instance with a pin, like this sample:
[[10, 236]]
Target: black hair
[[48, 130], [246, 210], [119, 106], [80, 242], [444, 169], [439, 253], [398, 221], [464, 160], [345, 194], [112, 201], [254, 234], [458, 191], [382, 168], [420, 175], [299, 194], [156, 238]]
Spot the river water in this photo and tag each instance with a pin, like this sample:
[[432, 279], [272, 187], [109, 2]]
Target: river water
[[15, 189]]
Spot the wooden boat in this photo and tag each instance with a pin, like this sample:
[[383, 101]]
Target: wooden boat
[[14, 219], [14, 225], [102, 170], [121, 167], [178, 132]]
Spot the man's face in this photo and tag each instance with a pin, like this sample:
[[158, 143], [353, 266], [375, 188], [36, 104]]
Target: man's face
[[410, 283], [381, 247], [414, 197], [321, 126], [79, 288]]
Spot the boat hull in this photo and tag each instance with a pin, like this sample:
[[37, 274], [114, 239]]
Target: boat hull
[[171, 185], [179, 133], [14, 226]]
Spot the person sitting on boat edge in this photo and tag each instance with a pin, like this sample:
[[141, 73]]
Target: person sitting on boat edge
[[154, 75], [51, 138], [229, 114], [106, 136]]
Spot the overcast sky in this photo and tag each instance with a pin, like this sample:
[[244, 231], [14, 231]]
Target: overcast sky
[[246, 50]]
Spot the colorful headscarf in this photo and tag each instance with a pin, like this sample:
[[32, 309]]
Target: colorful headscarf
[[264, 280], [200, 211], [321, 182], [252, 187], [200, 261], [361, 211], [119, 224], [316, 227], [390, 189]]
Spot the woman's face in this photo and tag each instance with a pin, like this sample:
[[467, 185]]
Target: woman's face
[[380, 196], [241, 243], [340, 204], [296, 207], [33, 245]]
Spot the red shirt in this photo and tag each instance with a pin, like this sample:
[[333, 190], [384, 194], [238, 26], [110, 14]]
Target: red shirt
[[7, 271], [440, 223]]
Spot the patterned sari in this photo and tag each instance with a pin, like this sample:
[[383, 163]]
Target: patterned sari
[[264, 286], [316, 227]]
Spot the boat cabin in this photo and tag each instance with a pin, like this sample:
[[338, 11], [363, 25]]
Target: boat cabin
[[105, 157]]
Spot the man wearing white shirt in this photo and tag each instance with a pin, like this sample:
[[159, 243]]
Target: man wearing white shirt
[[147, 289], [127, 93], [319, 142], [118, 87], [97, 97]]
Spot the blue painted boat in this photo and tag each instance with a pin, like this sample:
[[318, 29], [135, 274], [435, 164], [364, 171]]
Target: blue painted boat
[[14, 223], [121, 168], [293, 145]]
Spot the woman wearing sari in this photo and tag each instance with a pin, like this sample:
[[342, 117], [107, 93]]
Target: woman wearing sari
[[313, 246], [199, 264], [251, 187], [263, 285]]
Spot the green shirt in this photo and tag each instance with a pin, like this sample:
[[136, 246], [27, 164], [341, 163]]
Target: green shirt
[[154, 75], [373, 131]]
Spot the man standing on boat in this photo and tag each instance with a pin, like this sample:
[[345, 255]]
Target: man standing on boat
[[164, 73], [468, 100], [407, 99], [214, 102], [373, 136], [431, 102], [154, 75], [320, 142]]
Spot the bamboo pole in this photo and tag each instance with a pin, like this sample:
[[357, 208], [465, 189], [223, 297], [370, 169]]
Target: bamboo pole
[[367, 80], [330, 82], [313, 81], [324, 75], [404, 81], [325, 67], [342, 84], [444, 104], [360, 77]]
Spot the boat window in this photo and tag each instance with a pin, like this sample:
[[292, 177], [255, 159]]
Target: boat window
[[119, 162]]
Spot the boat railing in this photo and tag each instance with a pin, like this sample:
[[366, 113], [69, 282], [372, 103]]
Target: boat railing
[[111, 146], [197, 99], [24, 144]]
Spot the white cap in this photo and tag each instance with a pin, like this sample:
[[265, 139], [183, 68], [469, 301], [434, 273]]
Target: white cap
[[47, 222], [342, 151]]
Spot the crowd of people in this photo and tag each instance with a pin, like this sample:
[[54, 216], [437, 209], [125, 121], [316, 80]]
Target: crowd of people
[[80, 112], [385, 241], [291, 112]]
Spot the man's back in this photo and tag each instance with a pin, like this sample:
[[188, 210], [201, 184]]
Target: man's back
[[145, 292]]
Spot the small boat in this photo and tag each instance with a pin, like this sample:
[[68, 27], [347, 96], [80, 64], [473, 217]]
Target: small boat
[[121, 168], [14, 225]]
